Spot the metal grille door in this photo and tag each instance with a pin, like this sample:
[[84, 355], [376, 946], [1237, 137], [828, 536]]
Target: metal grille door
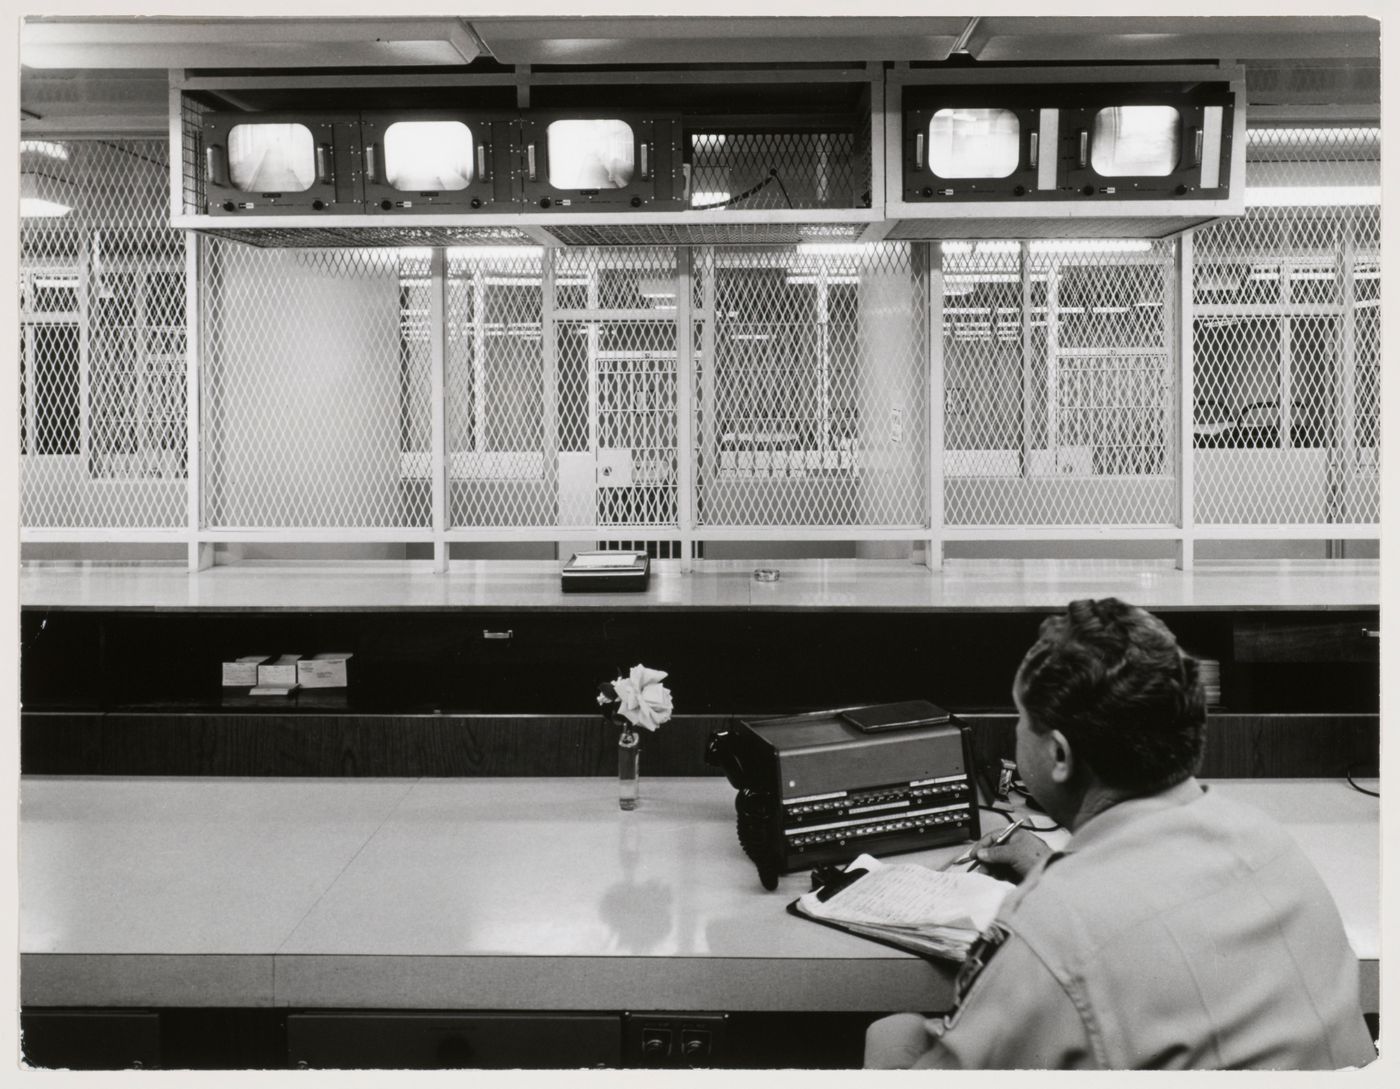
[[811, 388], [102, 338], [1059, 371], [1287, 348]]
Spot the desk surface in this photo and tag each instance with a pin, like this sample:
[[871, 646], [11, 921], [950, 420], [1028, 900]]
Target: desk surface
[[962, 585], [482, 894]]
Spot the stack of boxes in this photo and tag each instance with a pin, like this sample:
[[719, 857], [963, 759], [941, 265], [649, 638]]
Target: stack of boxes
[[264, 675]]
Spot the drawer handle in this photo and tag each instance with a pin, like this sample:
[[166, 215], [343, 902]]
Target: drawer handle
[[507, 634], [1371, 633]]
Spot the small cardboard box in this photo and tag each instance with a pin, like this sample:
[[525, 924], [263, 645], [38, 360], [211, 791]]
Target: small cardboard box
[[279, 674], [243, 672], [326, 670]]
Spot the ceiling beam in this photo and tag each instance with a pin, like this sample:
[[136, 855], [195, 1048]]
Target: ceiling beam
[[244, 43]]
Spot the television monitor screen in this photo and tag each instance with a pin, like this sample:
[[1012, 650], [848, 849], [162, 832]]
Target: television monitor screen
[[269, 158], [974, 143], [593, 153], [1135, 141], [428, 156]]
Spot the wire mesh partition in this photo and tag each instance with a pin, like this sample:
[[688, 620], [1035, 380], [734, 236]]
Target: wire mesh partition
[[587, 394], [102, 337], [811, 388], [1059, 364], [1287, 337], [315, 400]]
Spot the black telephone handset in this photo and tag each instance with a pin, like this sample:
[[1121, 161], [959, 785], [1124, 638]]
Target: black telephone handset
[[755, 808]]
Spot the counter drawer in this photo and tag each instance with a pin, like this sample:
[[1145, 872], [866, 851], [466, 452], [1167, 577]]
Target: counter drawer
[[1290, 637], [431, 1041], [91, 1039]]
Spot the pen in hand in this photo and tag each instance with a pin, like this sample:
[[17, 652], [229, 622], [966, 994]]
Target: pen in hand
[[1002, 836]]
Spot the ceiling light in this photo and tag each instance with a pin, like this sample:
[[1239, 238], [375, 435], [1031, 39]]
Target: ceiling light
[[47, 148], [1311, 196], [37, 201]]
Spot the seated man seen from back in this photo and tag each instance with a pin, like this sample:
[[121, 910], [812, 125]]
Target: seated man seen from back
[[1175, 929]]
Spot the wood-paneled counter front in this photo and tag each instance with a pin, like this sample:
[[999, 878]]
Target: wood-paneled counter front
[[490, 669], [484, 894]]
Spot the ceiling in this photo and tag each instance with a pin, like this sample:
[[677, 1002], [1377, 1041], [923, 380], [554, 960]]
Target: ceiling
[[114, 69]]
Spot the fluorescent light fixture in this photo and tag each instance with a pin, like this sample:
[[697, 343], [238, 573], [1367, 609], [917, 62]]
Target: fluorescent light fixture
[[955, 248], [1287, 137], [1003, 246], [835, 249], [702, 140], [47, 148], [1110, 310], [1102, 245], [704, 197], [493, 253], [1318, 274], [749, 336], [1311, 196], [829, 279], [982, 278], [36, 202], [1264, 274], [67, 282], [410, 253], [655, 287]]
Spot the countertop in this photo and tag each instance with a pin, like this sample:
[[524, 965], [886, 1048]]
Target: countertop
[[483, 894], [893, 585]]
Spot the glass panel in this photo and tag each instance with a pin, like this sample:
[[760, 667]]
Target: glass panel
[[428, 156], [974, 143], [1135, 141], [271, 158], [592, 154]]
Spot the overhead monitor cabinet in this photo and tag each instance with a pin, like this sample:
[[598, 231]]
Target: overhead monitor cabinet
[[400, 162], [1024, 143]]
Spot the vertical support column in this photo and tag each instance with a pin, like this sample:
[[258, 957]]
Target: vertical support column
[[706, 405], [86, 267], [478, 359], [1183, 298], [175, 78], [1285, 356], [878, 121], [437, 336], [1342, 511], [1027, 353], [685, 410], [200, 553], [1052, 367], [549, 375], [933, 263]]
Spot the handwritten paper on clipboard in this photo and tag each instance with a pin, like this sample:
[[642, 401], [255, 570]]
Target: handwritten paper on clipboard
[[911, 906]]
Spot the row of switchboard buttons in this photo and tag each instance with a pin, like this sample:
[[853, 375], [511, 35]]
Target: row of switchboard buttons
[[896, 794], [832, 835]]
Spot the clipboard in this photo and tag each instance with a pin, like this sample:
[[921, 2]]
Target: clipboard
[[923, 954]]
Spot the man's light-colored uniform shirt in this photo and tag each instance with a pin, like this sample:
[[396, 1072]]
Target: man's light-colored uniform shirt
[[1176, 931]]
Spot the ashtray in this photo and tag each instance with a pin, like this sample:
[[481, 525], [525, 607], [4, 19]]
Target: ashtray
[[766, 574]]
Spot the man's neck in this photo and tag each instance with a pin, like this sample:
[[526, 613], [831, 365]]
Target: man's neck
[[1096, 799]]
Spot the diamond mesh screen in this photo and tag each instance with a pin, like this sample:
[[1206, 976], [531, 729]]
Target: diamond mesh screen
[[315, 399], [1059, 370], [1287, 340], [812, 389], [561, 411], [102, 337]]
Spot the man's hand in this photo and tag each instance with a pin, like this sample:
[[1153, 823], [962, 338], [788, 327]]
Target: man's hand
[[1013, 859]]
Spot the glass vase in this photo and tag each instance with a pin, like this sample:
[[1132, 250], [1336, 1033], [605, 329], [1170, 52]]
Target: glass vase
[[629, 751]]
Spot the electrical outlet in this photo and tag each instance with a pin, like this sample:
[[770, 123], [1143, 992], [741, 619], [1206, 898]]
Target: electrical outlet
[[673, 1040]]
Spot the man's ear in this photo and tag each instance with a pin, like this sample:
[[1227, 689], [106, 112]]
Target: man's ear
[[1061, 758]]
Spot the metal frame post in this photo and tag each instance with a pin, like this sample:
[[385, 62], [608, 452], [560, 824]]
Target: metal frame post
[[1183, 296], [437, 340], [685, 417], [933, 261]]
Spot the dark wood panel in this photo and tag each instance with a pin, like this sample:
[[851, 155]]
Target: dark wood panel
[[1294, 637], [55, 743], [1243, 746], [350, 745], [498, 745]]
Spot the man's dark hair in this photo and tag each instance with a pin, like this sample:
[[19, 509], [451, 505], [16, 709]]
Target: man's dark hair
[[1111, 678]]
